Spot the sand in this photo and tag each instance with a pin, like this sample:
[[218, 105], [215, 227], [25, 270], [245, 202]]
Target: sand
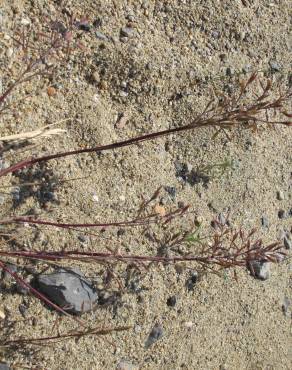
[[158, 76]]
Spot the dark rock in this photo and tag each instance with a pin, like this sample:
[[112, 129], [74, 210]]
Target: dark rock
[[171, 301], [5, 275], [69, 290], [190, 175], [229, 71], [259, 269], [97, 22], [23, 309], [191, 281], [82, 238], [281, 214], [83, 26], [286, 305], [155, 334]]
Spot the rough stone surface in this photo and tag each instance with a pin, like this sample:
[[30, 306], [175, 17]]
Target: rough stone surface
[[260, 270], [69, 290]]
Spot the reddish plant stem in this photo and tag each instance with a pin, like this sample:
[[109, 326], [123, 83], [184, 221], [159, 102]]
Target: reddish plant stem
[[153, 218], [60, 337]]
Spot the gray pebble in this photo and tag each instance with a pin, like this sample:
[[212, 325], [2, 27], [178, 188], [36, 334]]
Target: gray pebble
[[287, 242], [215, 34], [280, 195], [99, 35], [286, 305], [126, 365], [275, 66], [15, 192], [4, 366], [82, 238], [127, 32], [2, 199], [155, 334], [265, 222], [260, 269], [5, 275], [4, 164], [69, 290], [246, 68]]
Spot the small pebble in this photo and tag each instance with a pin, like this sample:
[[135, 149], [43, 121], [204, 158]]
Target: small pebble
[[229, 71], [25, 21], [126, 365], [191, 281], [259, 269], [95, 76], [275, 66], [159, 210], [287, 242], [4, 366], [280, 195], [171, 191], [127, 32], [82, 238], [281, 214], [171, 301], [155, 334], [22, 309], [2, 315], [286, 305], [9, 52], [51, 91], [265, 222], [99, 35], [188, 324]]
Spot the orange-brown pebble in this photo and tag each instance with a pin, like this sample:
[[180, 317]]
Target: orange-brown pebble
[[158, 209], [51, 91]]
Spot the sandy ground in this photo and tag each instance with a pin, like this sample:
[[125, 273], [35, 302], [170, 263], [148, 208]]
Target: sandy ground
[[158, 77]]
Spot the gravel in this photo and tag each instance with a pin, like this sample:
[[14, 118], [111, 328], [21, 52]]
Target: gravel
[[69, 289]]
